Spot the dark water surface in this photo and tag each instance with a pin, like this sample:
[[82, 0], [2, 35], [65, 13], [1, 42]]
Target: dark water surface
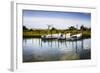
[[36, 49]]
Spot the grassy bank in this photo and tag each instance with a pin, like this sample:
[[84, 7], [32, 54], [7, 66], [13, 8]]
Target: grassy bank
[[39, 33]]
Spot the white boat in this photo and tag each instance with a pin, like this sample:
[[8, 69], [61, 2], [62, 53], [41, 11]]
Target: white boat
[[53, 36], [56, 36], [62, 36], [76, 36]]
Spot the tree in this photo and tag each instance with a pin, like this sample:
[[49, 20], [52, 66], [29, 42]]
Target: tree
[[31, 29], [83, 28], [25, 28], [72, 28], [53, 28]]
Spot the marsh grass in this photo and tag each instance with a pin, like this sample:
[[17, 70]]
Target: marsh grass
[[39, 33]]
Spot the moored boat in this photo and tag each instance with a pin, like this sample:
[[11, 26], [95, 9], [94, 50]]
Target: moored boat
[[62, 37]]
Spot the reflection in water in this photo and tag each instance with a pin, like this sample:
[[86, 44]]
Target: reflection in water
[[36, 49]]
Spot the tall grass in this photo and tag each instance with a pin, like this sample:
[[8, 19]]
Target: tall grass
[[39, 33]]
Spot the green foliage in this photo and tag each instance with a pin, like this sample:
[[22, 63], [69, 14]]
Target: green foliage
[[72, 28], [41, 32], [25, 28]]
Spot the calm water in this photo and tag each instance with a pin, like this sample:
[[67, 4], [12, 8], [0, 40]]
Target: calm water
[[36, 49]]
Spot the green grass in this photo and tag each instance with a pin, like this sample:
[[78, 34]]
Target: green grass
[[39, 33]]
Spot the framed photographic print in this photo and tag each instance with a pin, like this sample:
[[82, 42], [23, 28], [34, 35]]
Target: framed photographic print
[[52, 36]]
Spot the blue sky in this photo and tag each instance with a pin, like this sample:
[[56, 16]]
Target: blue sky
[[61, 20]]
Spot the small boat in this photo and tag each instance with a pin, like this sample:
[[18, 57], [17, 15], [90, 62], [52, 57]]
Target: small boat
[[56, 36], [76, 36], [47, 37], [62, 37]]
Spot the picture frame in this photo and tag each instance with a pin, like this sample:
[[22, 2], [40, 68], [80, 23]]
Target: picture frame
[[17, 63]]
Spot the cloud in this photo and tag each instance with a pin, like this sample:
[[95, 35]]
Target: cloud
[[59, 23]]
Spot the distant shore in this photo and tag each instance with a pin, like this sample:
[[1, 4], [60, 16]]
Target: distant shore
[[39, 33]]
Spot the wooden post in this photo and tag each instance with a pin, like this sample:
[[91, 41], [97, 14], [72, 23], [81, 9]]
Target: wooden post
[[82, 39], [76, 37]]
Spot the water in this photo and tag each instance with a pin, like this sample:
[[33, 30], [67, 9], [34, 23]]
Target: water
[[36, 49]]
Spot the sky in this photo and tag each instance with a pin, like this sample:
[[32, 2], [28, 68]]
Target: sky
[[38, 19]]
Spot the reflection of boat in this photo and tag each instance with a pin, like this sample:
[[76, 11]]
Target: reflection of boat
[[62, 36]]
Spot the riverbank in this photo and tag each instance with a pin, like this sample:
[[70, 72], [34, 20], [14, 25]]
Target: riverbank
[[39, 33]]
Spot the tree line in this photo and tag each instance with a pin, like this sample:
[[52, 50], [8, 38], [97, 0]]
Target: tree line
[[82, 27]]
